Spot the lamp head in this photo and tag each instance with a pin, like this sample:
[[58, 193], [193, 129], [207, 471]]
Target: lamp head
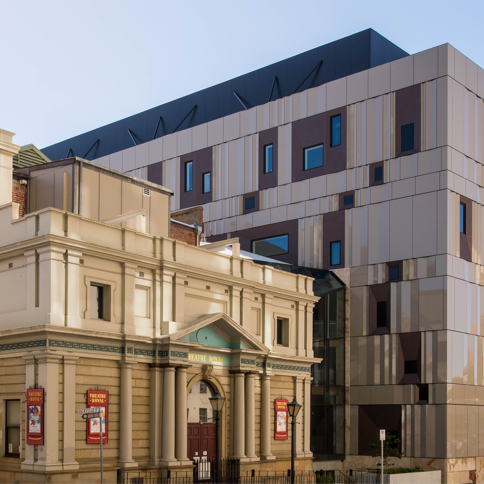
[[294, 408], [217, 401]]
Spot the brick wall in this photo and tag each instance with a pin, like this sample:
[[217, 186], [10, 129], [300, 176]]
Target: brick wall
[[185, 234], [189, 216], [19, 195], [193, 215]]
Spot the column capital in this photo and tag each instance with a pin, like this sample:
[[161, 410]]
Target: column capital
[[70, 360], [126, 364], [48, 358]]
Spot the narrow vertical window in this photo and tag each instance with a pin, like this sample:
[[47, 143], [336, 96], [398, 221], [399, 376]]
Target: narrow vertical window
[[407, 132], [335, 254], [462, 218], [393, 273], [268, 167], [336, 130], [12, 427], [202, 415], [279, 330], [381, 314], [189, 176], [206, 182], [97, 301], [378, 173]]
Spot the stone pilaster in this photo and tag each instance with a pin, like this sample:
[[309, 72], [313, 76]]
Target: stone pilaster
[[265, 418], [298, 383], [307, 418], [250, 417], [69, 415], [239, 416], [72, 291], [156, 411], [168, 417], [28, 463], [181, 415], [128, 297], [126, 417]]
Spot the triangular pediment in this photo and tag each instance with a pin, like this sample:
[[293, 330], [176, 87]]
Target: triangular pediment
[[219, 331]]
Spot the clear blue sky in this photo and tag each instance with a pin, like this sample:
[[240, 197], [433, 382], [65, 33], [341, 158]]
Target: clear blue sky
[[68, 67]]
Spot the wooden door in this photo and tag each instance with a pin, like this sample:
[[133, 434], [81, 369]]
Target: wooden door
[[201, 437]]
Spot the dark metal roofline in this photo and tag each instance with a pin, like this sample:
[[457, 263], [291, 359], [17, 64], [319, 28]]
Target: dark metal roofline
[[340, 58]]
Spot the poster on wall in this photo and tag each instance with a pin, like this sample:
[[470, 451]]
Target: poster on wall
[[35, 413], [97, 398], [281, 420]]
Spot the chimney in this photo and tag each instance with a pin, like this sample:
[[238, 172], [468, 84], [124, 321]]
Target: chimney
[[7, 152]]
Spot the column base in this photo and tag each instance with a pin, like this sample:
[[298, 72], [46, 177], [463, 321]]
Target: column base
[[299, 455], [27, 465], [125, 465], [308, 454], [169, 463], [70, 466], [51, 466], [268, 457], [253, 459]]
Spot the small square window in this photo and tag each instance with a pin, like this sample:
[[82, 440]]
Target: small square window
[[202, 415], [381, 314], [462, 218], [407, 137], [203, 387], [335, 253], [411, 367], [348, 200], [313, 157], [393, 273], [189, 176], [379, 173], [249, 203], [207, 185], [268, 166], [12, 428], [423, 393], [336, 130]]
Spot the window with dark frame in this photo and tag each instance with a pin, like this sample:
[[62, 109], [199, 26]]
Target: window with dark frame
[[423, 393], [335, 253], [407, 132], [462, 218], [394, 273], [335, 130], [189, 176], [381, 314], [280, 331], [271, 246], [348, 200], [379, 173], [202, 415], [206, 182], [268, 164], [12, 428], [249, 203], [97, 301], [411, 367], [203, 387], [313, 157]]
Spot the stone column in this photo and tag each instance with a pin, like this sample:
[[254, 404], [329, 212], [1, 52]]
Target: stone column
[[181, 415], [168, 418], [250, 417], [28, 463], [239, 416], [265, 418], [156, 411], [307, 418], [69, 415], [126, 417], [48, 454], [299, 397]]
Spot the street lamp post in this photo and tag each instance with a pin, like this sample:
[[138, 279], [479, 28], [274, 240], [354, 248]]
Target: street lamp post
[[293, 409], [217, 402]]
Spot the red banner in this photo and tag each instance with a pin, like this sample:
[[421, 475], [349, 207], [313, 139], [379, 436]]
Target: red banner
[[281, 420], [97, 398], [35, 413]]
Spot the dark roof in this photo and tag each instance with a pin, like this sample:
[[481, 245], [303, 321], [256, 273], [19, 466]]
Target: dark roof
[[340, 58]]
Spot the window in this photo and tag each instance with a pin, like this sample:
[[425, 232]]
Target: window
[[271, 246], [393, 273], [12, 427], [423, 393], [348, 200], [410, 367], [313, 157], [282, 331], [336, 130], [189, 176], [463, 218], [335, 253], [379, 173], [203, 387], [381, 314], [206, 182], [202, 415], [268, 159], [407, 137], [97, 301], [249, 203]]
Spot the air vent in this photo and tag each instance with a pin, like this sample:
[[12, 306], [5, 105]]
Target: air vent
[[186, 283], [292, 306], [146, 191], [207, 287], [226, 291], [10, 265], [142, 274], [256, 298], [81, 261]]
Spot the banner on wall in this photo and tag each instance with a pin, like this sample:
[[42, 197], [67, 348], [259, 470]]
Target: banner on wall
[[97, 398], [35, 412], [281, 420]]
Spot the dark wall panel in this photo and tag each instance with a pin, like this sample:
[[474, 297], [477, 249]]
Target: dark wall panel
[[202, 163], [407, 111]]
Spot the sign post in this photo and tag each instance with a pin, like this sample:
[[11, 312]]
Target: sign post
[[88, 414], [382, 438]]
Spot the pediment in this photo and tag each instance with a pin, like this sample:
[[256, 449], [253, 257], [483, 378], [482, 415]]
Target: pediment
[[218, 331]]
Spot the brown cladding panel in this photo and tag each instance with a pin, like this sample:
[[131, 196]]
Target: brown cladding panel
[[333, 231], [268, 180], [202, 163], [247, 236], [155, 173], [407, 111], [335, 156]]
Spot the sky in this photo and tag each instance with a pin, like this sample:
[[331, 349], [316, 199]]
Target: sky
[[69, 67]]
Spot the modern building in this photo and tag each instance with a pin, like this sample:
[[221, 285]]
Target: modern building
[[101, 307], [359, 159]]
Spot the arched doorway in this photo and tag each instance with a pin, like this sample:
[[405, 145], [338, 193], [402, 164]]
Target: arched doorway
[[202, 435]]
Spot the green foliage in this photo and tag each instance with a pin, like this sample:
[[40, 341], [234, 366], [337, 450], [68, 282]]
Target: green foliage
[[324, 479], [391, 448], [402, 470]]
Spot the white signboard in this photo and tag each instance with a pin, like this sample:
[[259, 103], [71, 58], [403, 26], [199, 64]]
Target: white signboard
[[89, 410], [382, 435]]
